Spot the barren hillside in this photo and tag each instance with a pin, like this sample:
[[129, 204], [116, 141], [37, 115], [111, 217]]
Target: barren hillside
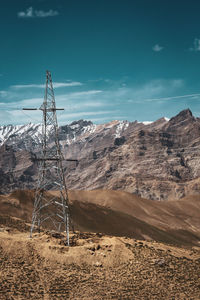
[[96, 266], [121, 214]]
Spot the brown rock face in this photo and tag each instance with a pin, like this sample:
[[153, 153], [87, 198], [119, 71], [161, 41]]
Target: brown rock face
[[17, 169], [157, 161]]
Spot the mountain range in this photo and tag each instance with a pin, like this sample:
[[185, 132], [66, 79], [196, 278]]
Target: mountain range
[[156, 160]]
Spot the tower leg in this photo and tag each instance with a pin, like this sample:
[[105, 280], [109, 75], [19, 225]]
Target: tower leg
[[67, 229]]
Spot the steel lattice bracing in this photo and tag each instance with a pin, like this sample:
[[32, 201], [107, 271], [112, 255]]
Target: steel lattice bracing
[[50, 208]]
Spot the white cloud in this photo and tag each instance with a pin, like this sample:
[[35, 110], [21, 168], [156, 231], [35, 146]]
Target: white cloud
[[65, 84], [43, 14], [3, 93], [5, 117], [191, 96], [27, 86], [176, 83], [196, 45], [32, 102], [55, 85], [87, 113], [106, 119], [27, 14], [83, 93], [31, 13], [152, 90], [157, 48], [77, 106]]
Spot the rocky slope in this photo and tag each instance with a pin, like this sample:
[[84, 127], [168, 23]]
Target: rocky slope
[[159, 161]]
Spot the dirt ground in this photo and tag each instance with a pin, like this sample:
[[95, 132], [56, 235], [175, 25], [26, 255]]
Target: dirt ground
[[95, 266]]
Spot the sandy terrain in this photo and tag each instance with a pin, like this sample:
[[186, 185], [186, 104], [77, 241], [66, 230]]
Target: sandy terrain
[[96, 266]]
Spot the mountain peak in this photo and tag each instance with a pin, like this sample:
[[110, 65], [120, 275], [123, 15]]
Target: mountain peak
[[81, 123], [186, 113], [184, 116]]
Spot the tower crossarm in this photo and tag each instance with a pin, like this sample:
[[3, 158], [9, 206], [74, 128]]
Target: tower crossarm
[[43, 109]]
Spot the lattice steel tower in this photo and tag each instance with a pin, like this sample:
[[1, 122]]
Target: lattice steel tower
[[50, 208]]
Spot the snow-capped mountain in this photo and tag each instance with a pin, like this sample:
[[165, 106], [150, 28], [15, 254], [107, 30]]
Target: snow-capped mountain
[[29, 136], [12, 134]]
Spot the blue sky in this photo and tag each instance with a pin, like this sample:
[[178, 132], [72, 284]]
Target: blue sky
[[110, 59]]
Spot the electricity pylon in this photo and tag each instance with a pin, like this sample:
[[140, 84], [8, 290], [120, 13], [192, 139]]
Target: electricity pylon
[[52, 206]]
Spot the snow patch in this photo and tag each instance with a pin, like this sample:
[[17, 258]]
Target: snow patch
[[120, 127], [20, 132], [147, 122]]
